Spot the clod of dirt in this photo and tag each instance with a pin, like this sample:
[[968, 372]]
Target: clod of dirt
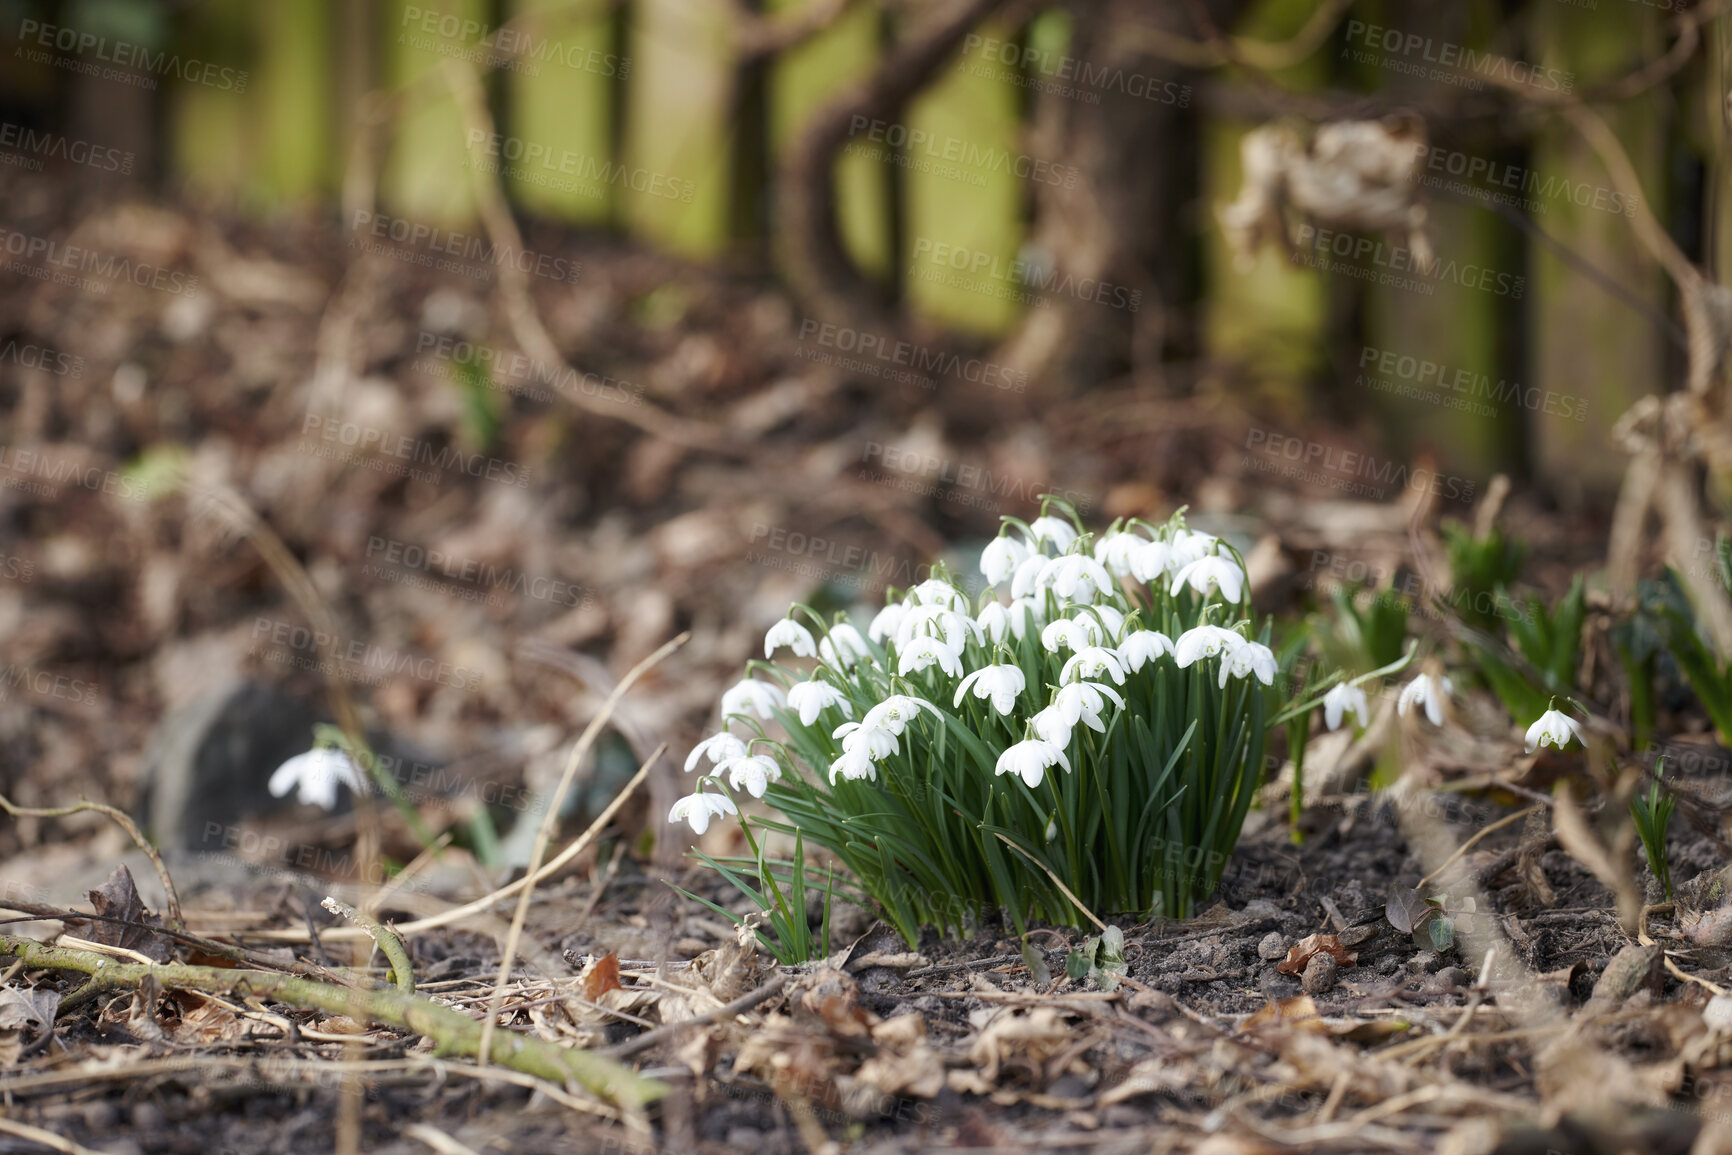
[[1630, 970], [1272, 947], [1320, 974]]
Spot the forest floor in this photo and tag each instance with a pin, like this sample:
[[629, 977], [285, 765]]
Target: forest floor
[[1290, 1013]]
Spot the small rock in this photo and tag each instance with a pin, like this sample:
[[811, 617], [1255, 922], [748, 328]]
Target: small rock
[[1423, 963], [1630, 970], [1449, 979], [1354, 935], [1272, 947], [1718, 1013], [1320, 974]]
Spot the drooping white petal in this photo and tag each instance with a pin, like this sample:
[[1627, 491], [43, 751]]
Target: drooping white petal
[[718, 748], [697, 809], [1150, 561], [1204, 642], [1026, 581], [792, 634], [814, 697], [1083, 702], [1003, 684], [1054, 529], [1343, 699], [1001, 557], [1554, 728], [315, 776], [938, 592], [1091, 663], [1248, 658], [895, 712], [878, 742], [1219, 572], [922, 652], [753, 696], [1050, 726], [843, 646], [1141, 646], [753, 771], [1116, 551], [1075, 577], [1428, 691], [1030, 758], [886, 622]]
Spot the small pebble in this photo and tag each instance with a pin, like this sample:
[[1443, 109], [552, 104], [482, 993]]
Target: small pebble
[[1320, 974], [1449, 979], [1272, 947]]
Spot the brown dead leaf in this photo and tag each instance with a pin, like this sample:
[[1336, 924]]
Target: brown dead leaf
[[1028, 1036], [1298, 1012], [25, 1015], [118, 898], [905, 1063], [833, 997], [1301, 953], [602, 976], [1150, 1076], [210, 1022]]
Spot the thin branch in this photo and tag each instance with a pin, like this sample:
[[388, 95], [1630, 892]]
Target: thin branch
[[1260, 55], [175, 920]]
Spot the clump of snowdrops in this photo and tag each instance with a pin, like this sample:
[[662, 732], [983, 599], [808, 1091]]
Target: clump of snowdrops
[[1085, 739]]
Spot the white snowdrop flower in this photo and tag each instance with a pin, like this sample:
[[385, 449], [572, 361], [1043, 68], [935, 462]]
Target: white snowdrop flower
[[843, 646], [1116, 551], [1111, 619], [1343, 699], [753, 771], [1001, 557], [1026, 580], [896, 711], [1083, 702], [1003, 684], [1050, 726], [1151, 561], [1249, 658], [699, 808], [886, 622], [939, 621], [1221, 572], [938, 592], [1189, 545], [1204, 642], [751, 695], [1092, 663], [814, 697], [854, 765], [315, 775], [1554, 728], [924, 651], [1054, 529], [1076, 577], [994, 621], [718, 747], [1141, 646], [792, 634], [1031, 758], [1025, 614], [878, 743], [1428, 691], [1063, 634]]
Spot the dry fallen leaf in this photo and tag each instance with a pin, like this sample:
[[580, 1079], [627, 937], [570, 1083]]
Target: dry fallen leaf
[[1298, 1011], [1031, 1036], [1301, 952], [602, 976], [25, 1015], [118, 898]]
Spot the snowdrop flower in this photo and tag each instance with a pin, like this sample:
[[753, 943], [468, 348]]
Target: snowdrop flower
[[1249, 658], [1554, 728], [814, 697], [1092, 663], [760, 698], [1083, 702], [1429, 691], [1027, 579], [1221, 572], [1003, 684], [699, 808], [878, 743], [887, 621], [896, 711], [1116, 551], [792, 634], [1189, 545], [844, 646], [1024, 614], [1111, 620], [1204, 642], [315, 775], [923, 652], [938, 592], [1075, 577], [1151, 560], [994, 620], [1050, 726], [1343, 699], [718, 747], [1141, 646], [954, 627], [1031, 758], [854, 765], [753, 771], [1065, 634], [1001, 557], [1054, 529]]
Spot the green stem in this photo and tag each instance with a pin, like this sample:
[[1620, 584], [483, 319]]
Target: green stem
[[389, 943]]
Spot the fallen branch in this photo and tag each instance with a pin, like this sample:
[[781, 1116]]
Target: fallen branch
[[390, 944], [454, 1033]]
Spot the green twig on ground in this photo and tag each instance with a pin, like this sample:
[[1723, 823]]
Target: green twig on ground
[[388, 942]]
